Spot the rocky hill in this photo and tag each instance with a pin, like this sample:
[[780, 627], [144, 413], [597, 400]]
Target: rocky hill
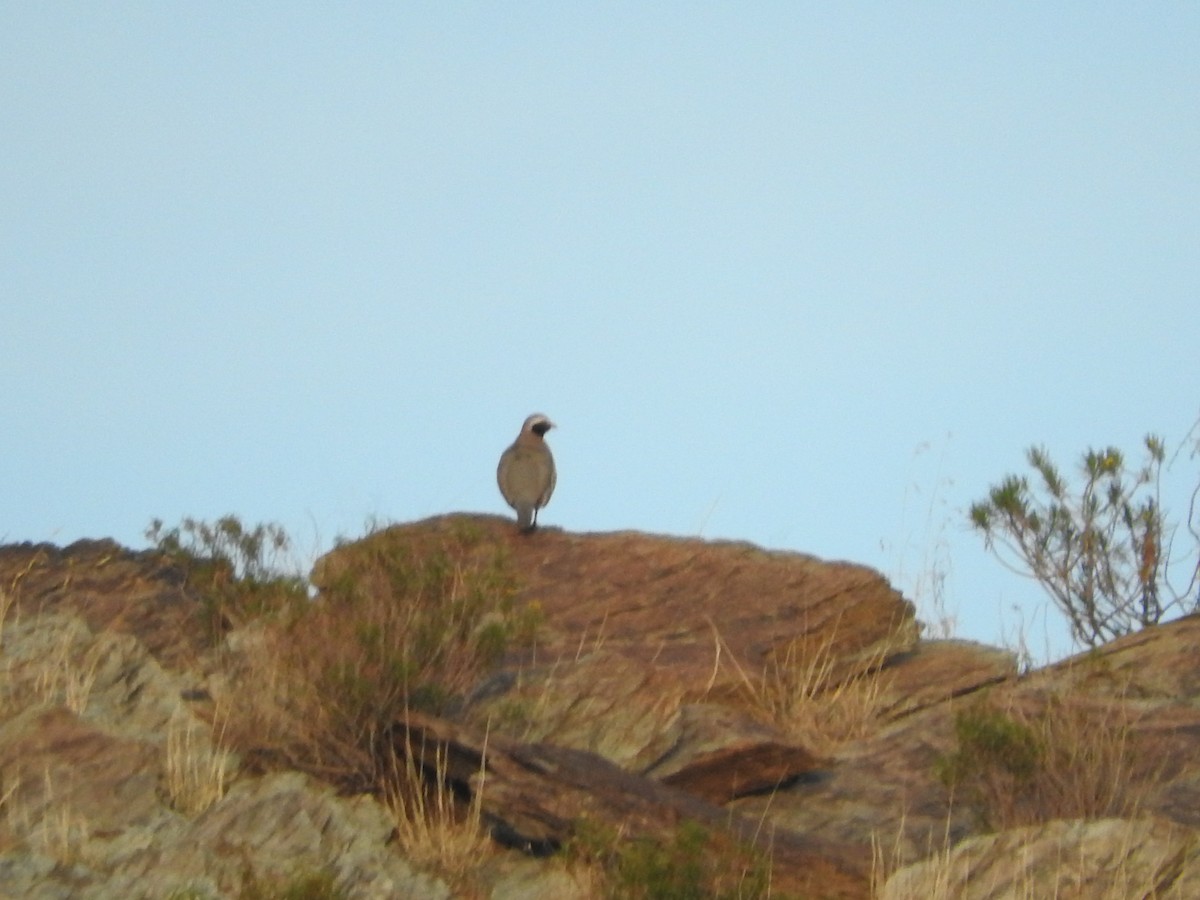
[[457, 710]]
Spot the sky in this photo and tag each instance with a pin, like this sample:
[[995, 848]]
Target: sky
[[807, 275]]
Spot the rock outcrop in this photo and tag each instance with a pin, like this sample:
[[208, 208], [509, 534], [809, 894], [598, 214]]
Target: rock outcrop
[[779, 699], [1103, 859], [86, 761]]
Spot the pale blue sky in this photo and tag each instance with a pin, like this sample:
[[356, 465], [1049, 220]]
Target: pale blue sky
[[808, 275]]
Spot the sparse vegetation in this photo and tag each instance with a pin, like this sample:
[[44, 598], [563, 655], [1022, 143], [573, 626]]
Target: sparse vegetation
[[68, 677], [1063, 858], [46, 823], [237, 570], [805, 692], [994, 762], [400, 623], [62, 835], [188, 892], [413, 620], [435, 830], [926, 583], [1102, 553], [250, 554], [887, 860], [197, 770], [6, 602], [396, 627], [306, 885], [807, 698], [1064, 758], [693, 863]]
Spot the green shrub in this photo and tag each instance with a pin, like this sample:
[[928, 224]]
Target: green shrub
[[693, 863], [306, 885], [990, 741], [1102, 551], [1059, 757], [235, 570]]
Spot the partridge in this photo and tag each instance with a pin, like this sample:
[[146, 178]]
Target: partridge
[[526, 472]]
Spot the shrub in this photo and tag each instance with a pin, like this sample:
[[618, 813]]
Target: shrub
[[318, 884], [235, 569], [995, 761], [250, 554], [692, 863], [404, 623], [1064, 759], [1102, 553]]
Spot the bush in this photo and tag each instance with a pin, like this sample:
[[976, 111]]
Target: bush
[[405, 623], [994, 763], [1057, 759], [305, 885], [235, 569], [693, 863], [1102, 553]]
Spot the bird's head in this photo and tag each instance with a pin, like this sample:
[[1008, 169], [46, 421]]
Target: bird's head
[[538, 424]]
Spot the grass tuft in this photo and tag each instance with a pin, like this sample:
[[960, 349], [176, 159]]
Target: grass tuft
[[801, 692], [1061, 759], [435, 829], [66, 675], [319, 884], [197, 771]]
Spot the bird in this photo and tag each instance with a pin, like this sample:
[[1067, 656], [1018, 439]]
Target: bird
[[526, 472]]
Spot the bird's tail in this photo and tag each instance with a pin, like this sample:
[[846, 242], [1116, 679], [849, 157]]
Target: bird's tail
[[525, 518]]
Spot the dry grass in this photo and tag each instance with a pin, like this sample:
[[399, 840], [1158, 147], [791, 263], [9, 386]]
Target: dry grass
[[323, 683], [8, 701], [398, 628], [11, 785], [1027, 760], [925, 521], [807, 700], [67, 675], [399, 624], [1050, 757], [803, 692], [64, 675], [1092, 765], [7, 598], [55, 830], [887, 860], [435, 829], [61, 835], [197, 769]]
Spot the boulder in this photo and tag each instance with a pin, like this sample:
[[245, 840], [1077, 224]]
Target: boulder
[[636, 627], [535, 797], [1103, 859]]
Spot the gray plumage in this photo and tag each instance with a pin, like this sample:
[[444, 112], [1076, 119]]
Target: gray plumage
[[526, 472]]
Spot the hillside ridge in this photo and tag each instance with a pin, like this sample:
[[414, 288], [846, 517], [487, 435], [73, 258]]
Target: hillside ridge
[[787, 700]]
